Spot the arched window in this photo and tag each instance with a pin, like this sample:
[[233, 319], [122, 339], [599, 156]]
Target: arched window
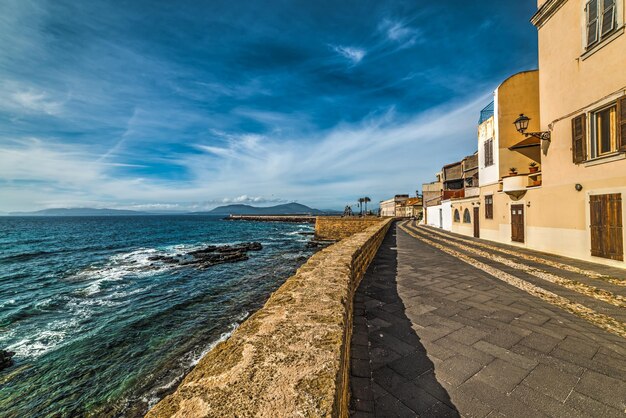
[[457, 216], [466, 217]]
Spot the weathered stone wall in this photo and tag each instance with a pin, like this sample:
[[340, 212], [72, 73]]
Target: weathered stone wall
[[337, 227], [292, 357]]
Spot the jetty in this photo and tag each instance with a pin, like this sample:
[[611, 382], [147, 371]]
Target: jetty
[[273, 218]]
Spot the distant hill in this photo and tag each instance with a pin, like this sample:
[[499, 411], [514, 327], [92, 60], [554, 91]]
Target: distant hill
[[79, 212], [285, 209]]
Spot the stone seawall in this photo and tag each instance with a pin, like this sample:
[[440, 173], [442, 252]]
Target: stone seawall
[[292, 357], [337, 227]]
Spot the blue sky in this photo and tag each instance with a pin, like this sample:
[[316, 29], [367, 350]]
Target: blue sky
[[187, 105]]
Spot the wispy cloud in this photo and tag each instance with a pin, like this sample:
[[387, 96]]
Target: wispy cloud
[[400, 33], [353, 54], [33, 101]]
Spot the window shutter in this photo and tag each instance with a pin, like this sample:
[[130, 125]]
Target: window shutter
[[592, 22], [608, 16], [621, 124], [579, 140]]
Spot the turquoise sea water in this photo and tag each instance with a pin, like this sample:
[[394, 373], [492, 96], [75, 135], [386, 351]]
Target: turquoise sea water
[[100, 330]]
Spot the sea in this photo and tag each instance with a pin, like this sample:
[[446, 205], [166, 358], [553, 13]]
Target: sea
[[101, 330]]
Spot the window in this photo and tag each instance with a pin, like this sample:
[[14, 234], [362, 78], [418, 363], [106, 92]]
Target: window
[[457, 216], [488, 152], [600, 20], [466, 217], [607, 132], [489, 207], [603, 131]]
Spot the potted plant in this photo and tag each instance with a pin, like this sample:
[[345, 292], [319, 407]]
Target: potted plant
[[512, 171], [533, 167]]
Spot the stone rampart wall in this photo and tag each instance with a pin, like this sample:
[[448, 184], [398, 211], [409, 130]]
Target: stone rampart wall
[[337, 227], [292, 357]]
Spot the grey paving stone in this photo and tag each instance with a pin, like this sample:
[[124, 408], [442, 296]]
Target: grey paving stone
[[465, 350], [548, 405], [551, 382], [361, 388], [540, 342], [603, 388], [591, 407], [360, 368], [467, 335], [458, 369], [446, 339], [468, 405], [505, 354], [506, 405], [501, 375], [390, 406], [549, 360], [578, 346], [413, 365], [503, 338]]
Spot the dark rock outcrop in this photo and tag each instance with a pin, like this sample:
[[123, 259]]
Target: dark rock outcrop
[[211, 255], [6, 359]]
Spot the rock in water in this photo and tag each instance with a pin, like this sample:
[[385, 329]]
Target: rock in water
[[6, 359], [211, 255]]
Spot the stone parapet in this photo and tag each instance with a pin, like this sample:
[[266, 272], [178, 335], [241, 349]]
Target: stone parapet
[[292, 357], [336, 227]]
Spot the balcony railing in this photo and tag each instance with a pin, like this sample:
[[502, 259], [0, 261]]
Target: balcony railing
[[452, 194]]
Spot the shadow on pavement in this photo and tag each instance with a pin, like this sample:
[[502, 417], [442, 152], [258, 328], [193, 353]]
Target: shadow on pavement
[[391, 375]]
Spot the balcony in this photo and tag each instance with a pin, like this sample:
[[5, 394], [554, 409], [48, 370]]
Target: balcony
[[516, 186], [472, 191], [452, 194]]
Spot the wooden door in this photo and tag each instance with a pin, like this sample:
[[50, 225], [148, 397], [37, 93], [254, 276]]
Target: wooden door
[[476, 224], [517, 223], [606, 226]]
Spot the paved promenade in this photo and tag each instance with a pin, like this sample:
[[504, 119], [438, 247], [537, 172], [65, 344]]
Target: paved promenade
[[449, 326]]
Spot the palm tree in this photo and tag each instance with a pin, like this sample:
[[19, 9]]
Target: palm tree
[[366, 199], [361, 200]]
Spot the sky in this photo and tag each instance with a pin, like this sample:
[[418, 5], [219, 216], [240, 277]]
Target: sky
[[188, 105]]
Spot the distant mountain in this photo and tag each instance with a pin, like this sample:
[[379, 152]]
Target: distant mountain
[[79, 212], [285, 209]]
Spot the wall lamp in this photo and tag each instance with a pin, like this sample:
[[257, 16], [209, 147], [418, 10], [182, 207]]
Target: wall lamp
[[578, 187], [521, 124]]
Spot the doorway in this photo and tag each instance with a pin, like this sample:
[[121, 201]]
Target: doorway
[[476, 223], [517, 223], [607, 239]]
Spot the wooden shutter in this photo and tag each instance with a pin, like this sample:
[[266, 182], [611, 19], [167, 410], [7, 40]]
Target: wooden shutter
[[592, 22], [579, 139], [621, 124], [606, 226]]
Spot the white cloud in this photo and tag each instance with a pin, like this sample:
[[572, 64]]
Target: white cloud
[[355, 55], [37, 102], [381, 156]]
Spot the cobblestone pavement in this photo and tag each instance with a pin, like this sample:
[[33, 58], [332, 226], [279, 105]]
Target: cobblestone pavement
[[449, 326]]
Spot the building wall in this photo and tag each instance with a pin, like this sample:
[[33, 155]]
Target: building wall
[[388, 208], [446, 207], [517, 94], [432, 216], [573, 82], [487, 175], [462, 227]]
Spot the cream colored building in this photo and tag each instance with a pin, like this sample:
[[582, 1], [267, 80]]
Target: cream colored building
[[578, 210], [572, 202]]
